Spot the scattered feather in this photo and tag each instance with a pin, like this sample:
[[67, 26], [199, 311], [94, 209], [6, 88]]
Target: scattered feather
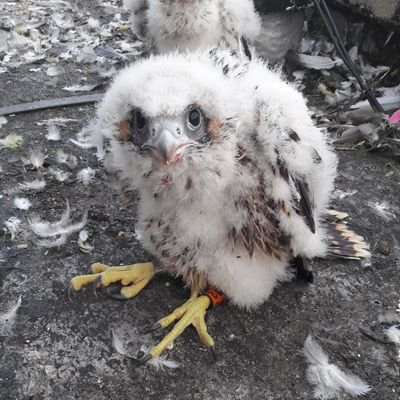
[[11, 141], [3, 121], [80, 88], [60, 175], [55, 71], [53, 133], [393, 334], [83, 235], [84, 246], [13, 225], [49, 244], [93, 23], [7, 318], [383, 210], [61, 156], [34, 185], [62, 228], [64, 158], [327, 378], [22, 203], [118, 345], [317, 62], [36, 159], [81, 144], [161, 362], [86, 176]]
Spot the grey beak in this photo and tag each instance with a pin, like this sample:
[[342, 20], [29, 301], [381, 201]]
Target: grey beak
[[166, 145]]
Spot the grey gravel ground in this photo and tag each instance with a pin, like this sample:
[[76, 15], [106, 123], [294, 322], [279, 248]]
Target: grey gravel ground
[[60, 349]]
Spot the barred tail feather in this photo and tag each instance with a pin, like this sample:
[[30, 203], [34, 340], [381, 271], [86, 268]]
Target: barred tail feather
[[343, 242]]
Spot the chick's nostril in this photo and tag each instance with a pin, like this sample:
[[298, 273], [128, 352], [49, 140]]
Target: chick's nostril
[[178, 131]]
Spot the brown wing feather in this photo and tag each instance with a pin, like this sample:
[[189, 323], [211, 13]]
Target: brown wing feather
[[261, 229]]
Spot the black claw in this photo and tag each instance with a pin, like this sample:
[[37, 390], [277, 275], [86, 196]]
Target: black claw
[[116, 295], [143, 360], [212, 348], [95, 283], [69, 292], [151, 328]]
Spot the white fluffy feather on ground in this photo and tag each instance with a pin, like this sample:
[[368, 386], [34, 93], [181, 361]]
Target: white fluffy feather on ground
[[86, 175], [36, 159], [13, 225], [328, 380], [7, 318], [53, 133], [159, 363], [59, 230], [11, 141], [393, 334], [59, 174], [33, 185], [22, 203]]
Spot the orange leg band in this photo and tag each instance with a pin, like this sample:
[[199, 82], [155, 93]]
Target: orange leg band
[[215, 295]]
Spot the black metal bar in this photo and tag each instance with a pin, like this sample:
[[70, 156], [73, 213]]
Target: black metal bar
[[335, 36], [53, 103]]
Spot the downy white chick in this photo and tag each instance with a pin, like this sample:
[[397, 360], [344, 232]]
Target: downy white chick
[[232, 177]]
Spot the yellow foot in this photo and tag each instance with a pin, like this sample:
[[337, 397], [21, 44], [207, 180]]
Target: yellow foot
[[190, 313], [133, 277]]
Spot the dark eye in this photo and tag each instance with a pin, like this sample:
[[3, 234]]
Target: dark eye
[[194, 119], [139, 120]]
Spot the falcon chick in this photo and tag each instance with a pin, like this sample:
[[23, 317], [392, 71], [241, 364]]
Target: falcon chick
[[232, 177], [195, 24]]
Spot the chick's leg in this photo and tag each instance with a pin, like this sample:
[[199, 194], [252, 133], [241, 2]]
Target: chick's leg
[[133, 277], [191, 313]]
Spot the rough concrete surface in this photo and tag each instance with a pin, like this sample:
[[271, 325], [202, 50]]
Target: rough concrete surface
[[60, 349]]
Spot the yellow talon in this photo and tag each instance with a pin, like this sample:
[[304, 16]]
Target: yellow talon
[[134, 277], [190, 313]]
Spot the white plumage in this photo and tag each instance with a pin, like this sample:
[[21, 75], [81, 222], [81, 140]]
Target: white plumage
[[194, 24], [241, 195]]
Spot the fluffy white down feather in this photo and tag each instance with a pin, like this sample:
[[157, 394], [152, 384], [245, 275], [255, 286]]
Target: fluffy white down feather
[[259, 109], [327, 378], [198, 24], [7, 318]]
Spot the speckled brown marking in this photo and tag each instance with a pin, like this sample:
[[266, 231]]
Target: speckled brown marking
[[294, 136], [189, 183], [214, 128], [261, 229], [165, 253], [128, 196], [124, 131]]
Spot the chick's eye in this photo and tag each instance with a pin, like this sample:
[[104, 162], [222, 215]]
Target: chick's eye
[[194, 118], [140, 120]]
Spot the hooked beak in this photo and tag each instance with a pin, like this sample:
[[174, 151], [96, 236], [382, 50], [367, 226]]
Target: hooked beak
[[168, 147]]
